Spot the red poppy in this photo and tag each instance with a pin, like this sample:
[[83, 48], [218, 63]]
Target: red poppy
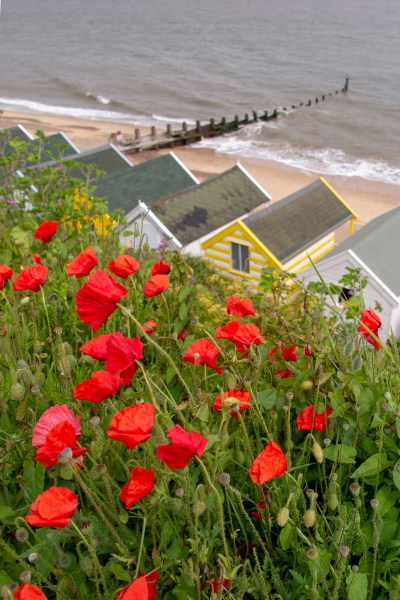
[[1, 282], [101, 385], [97, 347], [218, 583], [5, 272], [307, 350], [151, 579], [285, 374], [270, 463], [31, 278], [57, 429], [132, 425], [287, 353], [243, 336], [97, 299], [370, 319], [140, 484], [183, 447], [123, 266], [203, 352], [45, 231], [150, 326], [53, 508], [122, 354], [238, 307], [29, 591], [37, 259], [137, 590], [160, 268], [155, 285], [310, 420], [82, 264], [182, 334], [238, 400]]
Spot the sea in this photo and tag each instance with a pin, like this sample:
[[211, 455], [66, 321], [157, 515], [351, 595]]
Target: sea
[[153, 62]]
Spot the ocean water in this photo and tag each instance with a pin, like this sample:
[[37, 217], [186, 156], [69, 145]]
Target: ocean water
[[168, 61]]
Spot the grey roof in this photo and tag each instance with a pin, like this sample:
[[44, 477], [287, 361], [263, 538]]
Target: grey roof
[[193, 213], [291, 225], [146, 181], [12, 133], [106, 158], [377, 244]]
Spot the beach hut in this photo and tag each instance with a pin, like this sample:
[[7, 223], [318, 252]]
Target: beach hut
[[131, 189], [13, 133], [105, 158], [191, 216], [284, 235], [375, 251]]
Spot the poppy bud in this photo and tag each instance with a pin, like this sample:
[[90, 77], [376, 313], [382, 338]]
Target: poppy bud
[[179, 492], [374, 503], [64, 560], [123, 516], [24, 301], [333, 501], [282, 516], [65, 456], [355, 489], [312, 553], [231, 381], [22, 534], [317, 452], [66, 472], [344, 551], [33, 557], [17, 391], [198, 508], [309, 518], [25, 576], [224, 479], [176, 505], [307, 384]]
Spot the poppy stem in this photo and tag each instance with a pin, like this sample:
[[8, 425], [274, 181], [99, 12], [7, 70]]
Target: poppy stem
[[141, 547], [161, 350], [219, 505], [93, 555]]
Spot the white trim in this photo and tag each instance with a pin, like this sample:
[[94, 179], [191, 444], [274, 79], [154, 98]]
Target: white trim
[[66, 138], [121, 154], [254, 181], [25, 131], [371, 273], [145, 209], [184, 167]]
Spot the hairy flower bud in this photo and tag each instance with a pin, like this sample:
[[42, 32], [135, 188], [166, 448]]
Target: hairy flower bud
[[317, 452], [22, 534], [312, 553], [33, 557], [344, 551], [355, 489], [333, 501], [179, 492], [66, 472], [309, 518], [17, 391], [283, 516], [198, 508], [374, 503], [25, 576], [65, 456]]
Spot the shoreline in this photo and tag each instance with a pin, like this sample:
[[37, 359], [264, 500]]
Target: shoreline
[[367, 198]]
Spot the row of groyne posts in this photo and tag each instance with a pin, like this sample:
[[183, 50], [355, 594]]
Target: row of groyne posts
[[180, 137]]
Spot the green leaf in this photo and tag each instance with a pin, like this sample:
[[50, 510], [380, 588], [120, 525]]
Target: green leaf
[[285, 536], [373, 465], [357, 586], [7, 515], [183, 312], [387, 498], [33, 474], [119, 572], [183, 293], [267, 398], [398, 427], [341, 453], [396, 474], [4, 579]]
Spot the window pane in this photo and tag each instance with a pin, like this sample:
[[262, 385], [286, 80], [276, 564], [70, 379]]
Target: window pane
[[240, 257]]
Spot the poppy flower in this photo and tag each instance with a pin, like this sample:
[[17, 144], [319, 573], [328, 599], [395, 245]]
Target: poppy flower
[[243, 336], [82, 264], [239, 308], [97, 347], [123, 266], [137, 590], [287, 353], [218, 583], [238, 400], [203, 352], [151, 579], [285, 374], [29, 591], [101, 385], [31, 278], [97, 299], [155, 285], [140, 484], [370, 319], [58, 428], [53, 508], [183, 447], [310, 420], [132, 425], [5, 272], [307, 350], [45, 231], [182, 334], [270, 463], [37, 259], [1, 282], [122, 354], [160, 268], [150, 326]]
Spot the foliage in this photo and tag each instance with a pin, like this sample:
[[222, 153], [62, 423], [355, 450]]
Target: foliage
[[327, 528]]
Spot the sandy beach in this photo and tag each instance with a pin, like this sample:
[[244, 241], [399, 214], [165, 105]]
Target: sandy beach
[[367, 198]]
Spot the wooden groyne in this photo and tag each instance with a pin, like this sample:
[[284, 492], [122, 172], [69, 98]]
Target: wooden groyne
[[185, 135]]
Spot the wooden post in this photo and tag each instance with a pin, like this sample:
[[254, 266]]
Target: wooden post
[[246, 118], [266, 115], [137, 135], [255, 115], [184, 126], [308, 103], [346, 85], [236, 121], [153, 133], [169, 130], [316, 100], [212, 124], [223, 123], [198, 127], [275, 113]]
